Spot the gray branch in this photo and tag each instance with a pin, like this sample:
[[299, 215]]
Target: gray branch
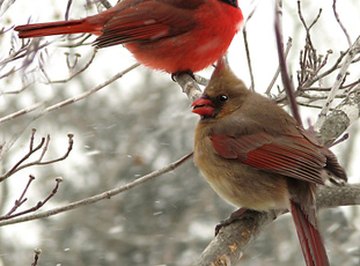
[[227, 247]]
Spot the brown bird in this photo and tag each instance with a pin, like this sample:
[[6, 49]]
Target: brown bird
[[256, 156]]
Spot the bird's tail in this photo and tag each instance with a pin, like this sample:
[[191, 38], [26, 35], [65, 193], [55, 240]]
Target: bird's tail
[[57, 28], [310, 239]]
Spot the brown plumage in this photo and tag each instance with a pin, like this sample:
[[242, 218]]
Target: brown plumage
[[255, 155]]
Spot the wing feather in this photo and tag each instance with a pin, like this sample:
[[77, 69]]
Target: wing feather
[[146, 21], [289, 155]]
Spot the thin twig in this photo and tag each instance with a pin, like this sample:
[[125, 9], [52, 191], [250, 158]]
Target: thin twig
[[105, 195], [353, 50], [58, 180], [247, 50], [337, 17], [69, 100], [287, 50], [86, 66], [43, 144], [288, 86], [37, 253], [67, 12], [90, 92], [21, 200]]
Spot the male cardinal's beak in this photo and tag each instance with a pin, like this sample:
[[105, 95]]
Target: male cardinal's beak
[[203, 106]]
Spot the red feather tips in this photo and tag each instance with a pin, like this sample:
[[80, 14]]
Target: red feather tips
[[203, 107]]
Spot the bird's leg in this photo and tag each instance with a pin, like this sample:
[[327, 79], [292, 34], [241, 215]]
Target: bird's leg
[[240, 214], [176, 75], [236, 215]]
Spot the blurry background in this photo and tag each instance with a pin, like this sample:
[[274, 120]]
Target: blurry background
[[136, 125]]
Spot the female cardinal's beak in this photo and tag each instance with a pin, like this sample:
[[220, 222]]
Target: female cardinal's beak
[[203, 106]]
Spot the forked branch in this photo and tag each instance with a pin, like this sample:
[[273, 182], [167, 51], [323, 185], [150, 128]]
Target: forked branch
[[41, 147]]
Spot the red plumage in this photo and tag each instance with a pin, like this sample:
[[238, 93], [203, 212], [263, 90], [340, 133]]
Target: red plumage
[[169, 35]]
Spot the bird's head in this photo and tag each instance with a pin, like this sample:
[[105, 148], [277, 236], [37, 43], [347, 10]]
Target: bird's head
[[224, 94]]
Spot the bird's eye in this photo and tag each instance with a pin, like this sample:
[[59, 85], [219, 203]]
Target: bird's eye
[[222, 98]]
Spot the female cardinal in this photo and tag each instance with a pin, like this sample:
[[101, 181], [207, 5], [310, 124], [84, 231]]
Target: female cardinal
[[170, 35], [255, 155]]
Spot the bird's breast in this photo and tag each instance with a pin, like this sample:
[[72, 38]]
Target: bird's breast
[[239, 184]]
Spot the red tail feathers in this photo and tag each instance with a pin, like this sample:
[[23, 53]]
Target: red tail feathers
[[57, 28], [310, 239]]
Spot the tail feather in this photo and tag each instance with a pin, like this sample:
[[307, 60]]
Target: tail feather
[[57, 28], [310, 239]]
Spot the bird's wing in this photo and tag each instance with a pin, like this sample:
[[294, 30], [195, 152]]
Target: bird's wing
[[146, 21], [290, 155]]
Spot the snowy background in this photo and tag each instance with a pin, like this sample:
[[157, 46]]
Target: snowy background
[[136, 125]]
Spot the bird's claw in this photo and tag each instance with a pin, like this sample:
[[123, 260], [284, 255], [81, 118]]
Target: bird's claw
[[176, 74], [236, 215]]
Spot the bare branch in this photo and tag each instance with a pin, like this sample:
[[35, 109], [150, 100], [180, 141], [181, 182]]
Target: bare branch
[[288, 86], [228, 246], [352, 52], [67, 12], [11, 214], [75, 74], [20, 112], [105, 195], [188, 85], [252, 87], [37, 253], [271, 85], [92, 91], [201, 80], [340, 23], [307, 28], [80, 40], [43, 144], [343, 115], [69, 100], [21, 199]]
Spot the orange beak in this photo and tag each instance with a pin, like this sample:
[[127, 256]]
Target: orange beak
[[203, 107]]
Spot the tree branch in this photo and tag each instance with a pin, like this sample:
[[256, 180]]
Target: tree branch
[[227, 247], [69, 100], [343, 115], [43, 146], [288, 85], [105, 195], [350, 55], [188, 85]]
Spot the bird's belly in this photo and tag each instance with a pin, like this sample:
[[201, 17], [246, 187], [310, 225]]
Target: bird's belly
[[244, 186], [171, 56], [256, 196], [192, 51]]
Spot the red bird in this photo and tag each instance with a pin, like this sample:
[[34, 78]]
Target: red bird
[[255, 155], [170, 35]]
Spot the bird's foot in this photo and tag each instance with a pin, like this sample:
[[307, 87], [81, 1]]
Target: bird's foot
[[243, 213], [177, 74], [236, 215]]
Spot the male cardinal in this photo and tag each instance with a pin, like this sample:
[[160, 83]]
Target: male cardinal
[[170, 35], [255, 155]]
